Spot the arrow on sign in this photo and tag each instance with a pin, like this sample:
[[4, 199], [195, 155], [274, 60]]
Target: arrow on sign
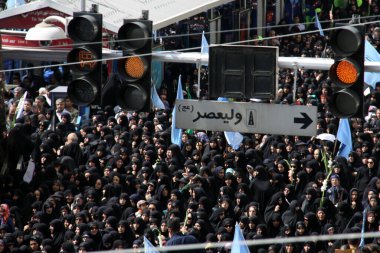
[[306, 120]]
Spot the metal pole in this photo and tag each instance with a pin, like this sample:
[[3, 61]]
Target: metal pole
[[199, 79], [82, 5], [279, 7], [295, 83], [260, 17]]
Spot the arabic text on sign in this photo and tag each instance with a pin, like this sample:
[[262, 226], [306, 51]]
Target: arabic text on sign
[[219, 115]]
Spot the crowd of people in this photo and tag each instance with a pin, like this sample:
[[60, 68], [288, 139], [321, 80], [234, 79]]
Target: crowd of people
[[108, 184]]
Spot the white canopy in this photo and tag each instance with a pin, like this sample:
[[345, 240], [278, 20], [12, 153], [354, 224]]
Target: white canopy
[[162, 12]]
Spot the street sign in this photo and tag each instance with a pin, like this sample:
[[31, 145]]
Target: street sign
[[246, 117]]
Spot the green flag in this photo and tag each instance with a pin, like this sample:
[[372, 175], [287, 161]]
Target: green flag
[[188, 92], [340, 3]]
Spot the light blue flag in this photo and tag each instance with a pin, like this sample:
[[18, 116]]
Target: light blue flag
[[20, 106], [204, 46], [177, 133], [234, 139], [155, 35], [371, 55], [78, 123], [318, 25], [239, 244], [157, 102], [344, 136], [148, 246]]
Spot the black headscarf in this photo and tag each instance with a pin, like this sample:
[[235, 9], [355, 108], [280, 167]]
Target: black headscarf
[[261, 188], [312, 225], [58, 234], [293, 214], [301, 184], [128, 236], [277, 199], [362, 179]]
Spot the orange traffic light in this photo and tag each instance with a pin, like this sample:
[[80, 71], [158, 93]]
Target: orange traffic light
[[347, 72], [133, 67], [135, 39]]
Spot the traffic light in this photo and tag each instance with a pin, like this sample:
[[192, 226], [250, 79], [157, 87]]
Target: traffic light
[[85, 30], [347, 72], [243, 72], [135, 39]]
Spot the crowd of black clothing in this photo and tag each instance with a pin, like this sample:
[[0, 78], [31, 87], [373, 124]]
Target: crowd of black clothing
[[107, 185]]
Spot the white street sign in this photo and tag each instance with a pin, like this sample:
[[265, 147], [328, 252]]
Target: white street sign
[[246, 117]]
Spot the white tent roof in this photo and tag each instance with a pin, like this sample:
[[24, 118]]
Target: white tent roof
[[162, 12]]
